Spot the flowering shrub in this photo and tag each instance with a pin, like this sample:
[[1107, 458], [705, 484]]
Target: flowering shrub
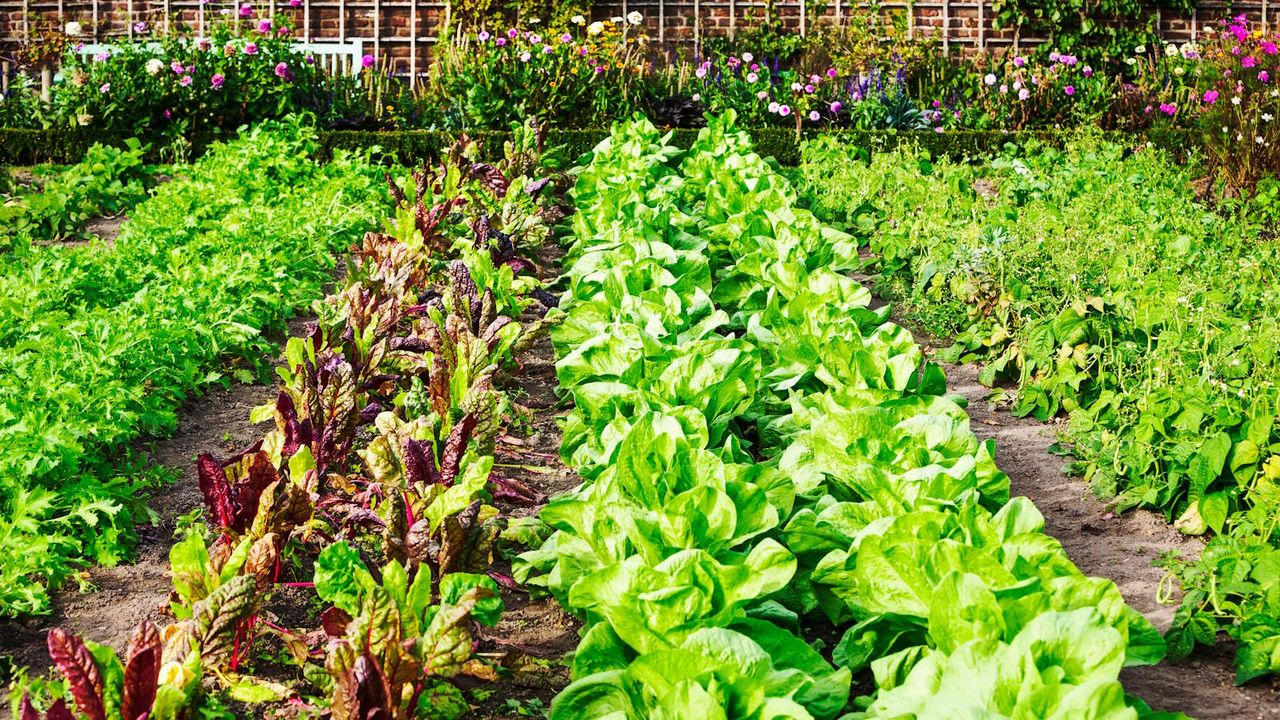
[[1239, 103], [183, 85], [496, 78]]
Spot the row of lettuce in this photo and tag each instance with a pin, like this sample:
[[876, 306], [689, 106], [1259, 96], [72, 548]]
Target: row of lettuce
[[379, 454], [101, 343], [1091, 283], [762, 454]]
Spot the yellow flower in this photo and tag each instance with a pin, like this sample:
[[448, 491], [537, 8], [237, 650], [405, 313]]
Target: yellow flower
[[174, 674]]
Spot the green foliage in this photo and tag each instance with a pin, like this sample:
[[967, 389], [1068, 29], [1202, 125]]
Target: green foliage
[[1164, 364], [99, 346]]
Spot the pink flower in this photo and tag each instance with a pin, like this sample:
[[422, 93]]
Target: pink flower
[[1019, 61], [185, 81], [264, 26], [282, 70], [1269, 47], [512, 33], [566, 38], [203, 45], [831, 73], [814, 116], [1088, 71], [837, 106], [483, 36], [168, 113], [598, 70], [176, 67], [500, 42], [139, 27], [217, 80], [1248, 61], [546, 49], [700, 73], [1210, 97], [1168, 109], [295, 3], [106, 88], [784, 110], [809, 89], [246, 10], [366, 61], [582, 51], [1263, 76], [752, 77], [525, 57], [1023, 94], [251, 49], [1070, 90]]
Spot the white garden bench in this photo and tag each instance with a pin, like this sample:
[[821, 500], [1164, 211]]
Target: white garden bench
[[336, 58]]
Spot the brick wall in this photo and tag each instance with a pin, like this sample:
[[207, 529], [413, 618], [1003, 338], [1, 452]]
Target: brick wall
[[403, 31]]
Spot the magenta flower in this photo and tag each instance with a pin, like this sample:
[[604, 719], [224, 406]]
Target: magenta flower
[[1019, 61], [512, 33], [784, 110], [282, 70], [598, 70], [1088, 71], [102, 57], [217, 80], [246, 10], [295, 3], [264, 26], [500, 42], [831, 73], [1210, 97], [1168, 109], [582, 51], [1248, 61], [1269, 47], [814, 116], [185, 81], [1070, 90], [366, 61], [176, 67], [809, 89], [251, 49], [1263, 76], [836, 107]]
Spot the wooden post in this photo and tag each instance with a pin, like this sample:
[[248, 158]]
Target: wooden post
[[306, 20], [982, 25], [804, 18], [377, 28], [946, 27], [733, 18], [413, 43], [662, 20]]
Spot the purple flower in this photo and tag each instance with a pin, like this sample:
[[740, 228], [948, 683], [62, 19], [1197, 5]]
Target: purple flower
[[102, 56], [176, 67], [836, 107], [217, 80], [246, 10], [310, 59], [1019, 61], [566, 38], [1210, 97], [831, 73], [366, 61], [598, 70], [512, 33], [582, 51], [139, 27], [282, 70], [500, 42], [1248, 61], [809, 89], [251, 49], [185, 81], [106, 88], [1070, 90], [814, 116], [1263, 76], [264, 26], [1168, 109], [483, 36]]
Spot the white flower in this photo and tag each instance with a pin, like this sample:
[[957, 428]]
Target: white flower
[[795, 86], [73, 28], [1235, 100], [697, 97], [1140, 50], [748, 57], [1259, 140], [763, 94], [1171, 50], [524, 56], [1179, 71], [1267, 117], [595, 28], [1130, 61], [990, 79], [577, 20], [535, 21], [616, 19], [1275, 93], [773, 107], [635, 18], [154, 66]]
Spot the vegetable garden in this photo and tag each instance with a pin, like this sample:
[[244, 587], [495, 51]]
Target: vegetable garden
[[654, 430]]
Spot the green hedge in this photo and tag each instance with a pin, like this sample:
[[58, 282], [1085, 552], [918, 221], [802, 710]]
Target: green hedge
[[29, 147]]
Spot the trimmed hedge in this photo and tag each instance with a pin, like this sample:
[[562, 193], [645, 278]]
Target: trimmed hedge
[[65, 147]]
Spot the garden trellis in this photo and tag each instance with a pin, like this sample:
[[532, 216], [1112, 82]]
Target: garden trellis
[[402, 32]]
